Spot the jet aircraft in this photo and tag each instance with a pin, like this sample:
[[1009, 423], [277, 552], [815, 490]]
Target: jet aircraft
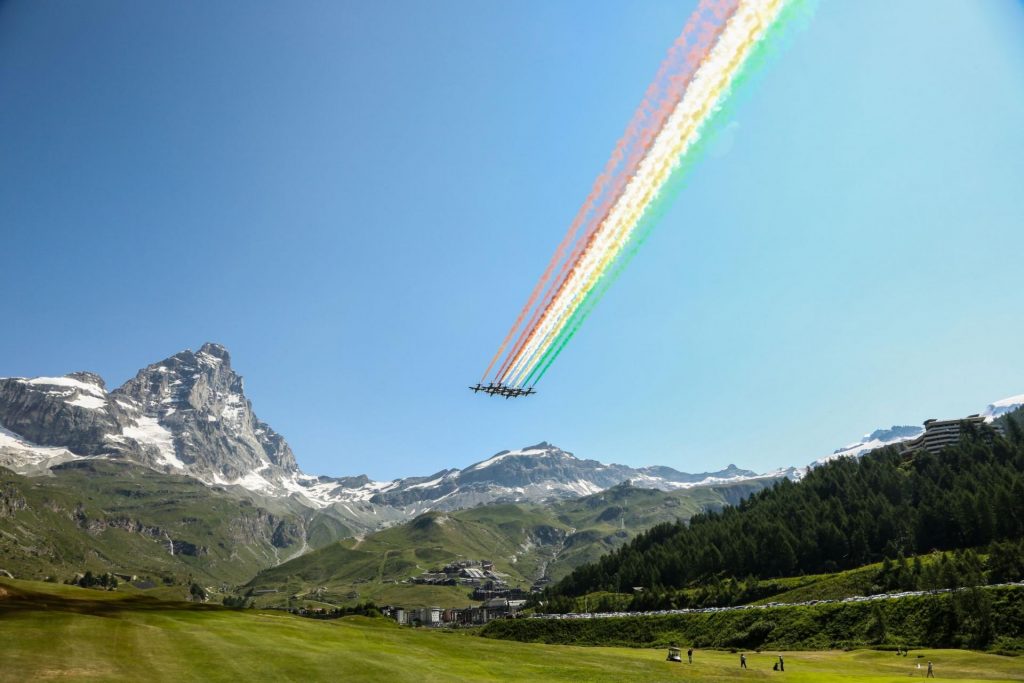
[[500, 389]]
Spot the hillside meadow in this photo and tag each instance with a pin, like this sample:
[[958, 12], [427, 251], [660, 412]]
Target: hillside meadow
[[60, 632], [990, 618]]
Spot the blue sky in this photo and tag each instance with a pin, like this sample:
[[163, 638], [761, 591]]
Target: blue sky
[[357, 198]]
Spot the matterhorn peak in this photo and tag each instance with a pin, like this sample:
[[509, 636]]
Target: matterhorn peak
[[216, 350]]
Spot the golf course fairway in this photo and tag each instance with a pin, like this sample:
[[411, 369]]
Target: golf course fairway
[[50, 631]]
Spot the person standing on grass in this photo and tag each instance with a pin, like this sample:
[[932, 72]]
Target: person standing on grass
[[743, 661], [782, 664], [689, 655], [930, 674]]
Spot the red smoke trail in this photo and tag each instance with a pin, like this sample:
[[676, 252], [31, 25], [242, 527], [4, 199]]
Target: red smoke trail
[[665, 91]]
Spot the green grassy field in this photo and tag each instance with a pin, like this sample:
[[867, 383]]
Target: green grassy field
[[59, 632]]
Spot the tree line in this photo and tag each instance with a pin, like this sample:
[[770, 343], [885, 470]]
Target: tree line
[[843, 514]]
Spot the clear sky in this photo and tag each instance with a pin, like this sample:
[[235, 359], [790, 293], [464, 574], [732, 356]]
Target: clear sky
[[357, 197]]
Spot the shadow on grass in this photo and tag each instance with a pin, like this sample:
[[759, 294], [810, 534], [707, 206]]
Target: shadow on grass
[[15, 600]]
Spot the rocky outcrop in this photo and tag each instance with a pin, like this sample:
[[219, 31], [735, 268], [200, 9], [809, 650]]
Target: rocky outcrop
[[286, 533], [256, 525], [186, 414], [74, 412], [200, 400], [11, 500]]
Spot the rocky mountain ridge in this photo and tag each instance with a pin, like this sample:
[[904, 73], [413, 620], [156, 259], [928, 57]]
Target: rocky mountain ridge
[[188, 414]]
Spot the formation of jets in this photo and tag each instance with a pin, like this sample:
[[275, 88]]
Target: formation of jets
[[500, 389]]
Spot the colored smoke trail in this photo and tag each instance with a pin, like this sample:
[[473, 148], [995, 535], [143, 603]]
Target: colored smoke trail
[[792, 13], [682, 60], [632, 200], [710, 81], [741, 32], [606, 240]]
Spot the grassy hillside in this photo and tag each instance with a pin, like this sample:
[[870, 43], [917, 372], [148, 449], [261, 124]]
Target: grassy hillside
[[374, 567], [525, 541], [61, 632], [968, 568], [842, 515], [108, 516], [114, 516], [607, 520], [982, 618]]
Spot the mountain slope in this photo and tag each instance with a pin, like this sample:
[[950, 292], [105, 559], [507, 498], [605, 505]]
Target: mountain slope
[[104, 515], [843, 514], [200, 400], [188, 414], [538, 473], [187, 417], [526, 541]]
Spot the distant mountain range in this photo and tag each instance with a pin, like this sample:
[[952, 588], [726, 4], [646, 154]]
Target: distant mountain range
[[188, 414], [172, 476], [899, 433]]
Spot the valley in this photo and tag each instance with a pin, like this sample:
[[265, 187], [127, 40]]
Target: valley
[[526, 541], [192, 502], [172, 479]]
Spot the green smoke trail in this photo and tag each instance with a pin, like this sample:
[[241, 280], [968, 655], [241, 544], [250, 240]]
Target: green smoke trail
[[795, 14]]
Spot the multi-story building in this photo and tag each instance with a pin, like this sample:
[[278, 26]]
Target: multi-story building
[[941, 433]]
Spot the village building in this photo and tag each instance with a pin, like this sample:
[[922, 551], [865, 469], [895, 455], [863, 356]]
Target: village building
[[495, 608], [941, 433]]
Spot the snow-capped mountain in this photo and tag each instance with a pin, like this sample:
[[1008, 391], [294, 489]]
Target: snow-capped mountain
[[900, 433], [535, 473], [192, 406], [188, 414], [876, 439], [1002, 407]]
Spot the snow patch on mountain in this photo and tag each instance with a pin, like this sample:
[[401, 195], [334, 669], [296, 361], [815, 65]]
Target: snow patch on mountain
[[88, 401], [542, 448], [876, 439], [433, 483], [29, 458], [148, 430], [67, 383], [1003, 406], [900, 433], [189, 414], [251, 481]]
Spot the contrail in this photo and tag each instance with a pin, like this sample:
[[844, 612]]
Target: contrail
[[683, 58], [660, 140], [791, 13], [741, 31]]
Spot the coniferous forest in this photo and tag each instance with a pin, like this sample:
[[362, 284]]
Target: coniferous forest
[[845, 514]]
